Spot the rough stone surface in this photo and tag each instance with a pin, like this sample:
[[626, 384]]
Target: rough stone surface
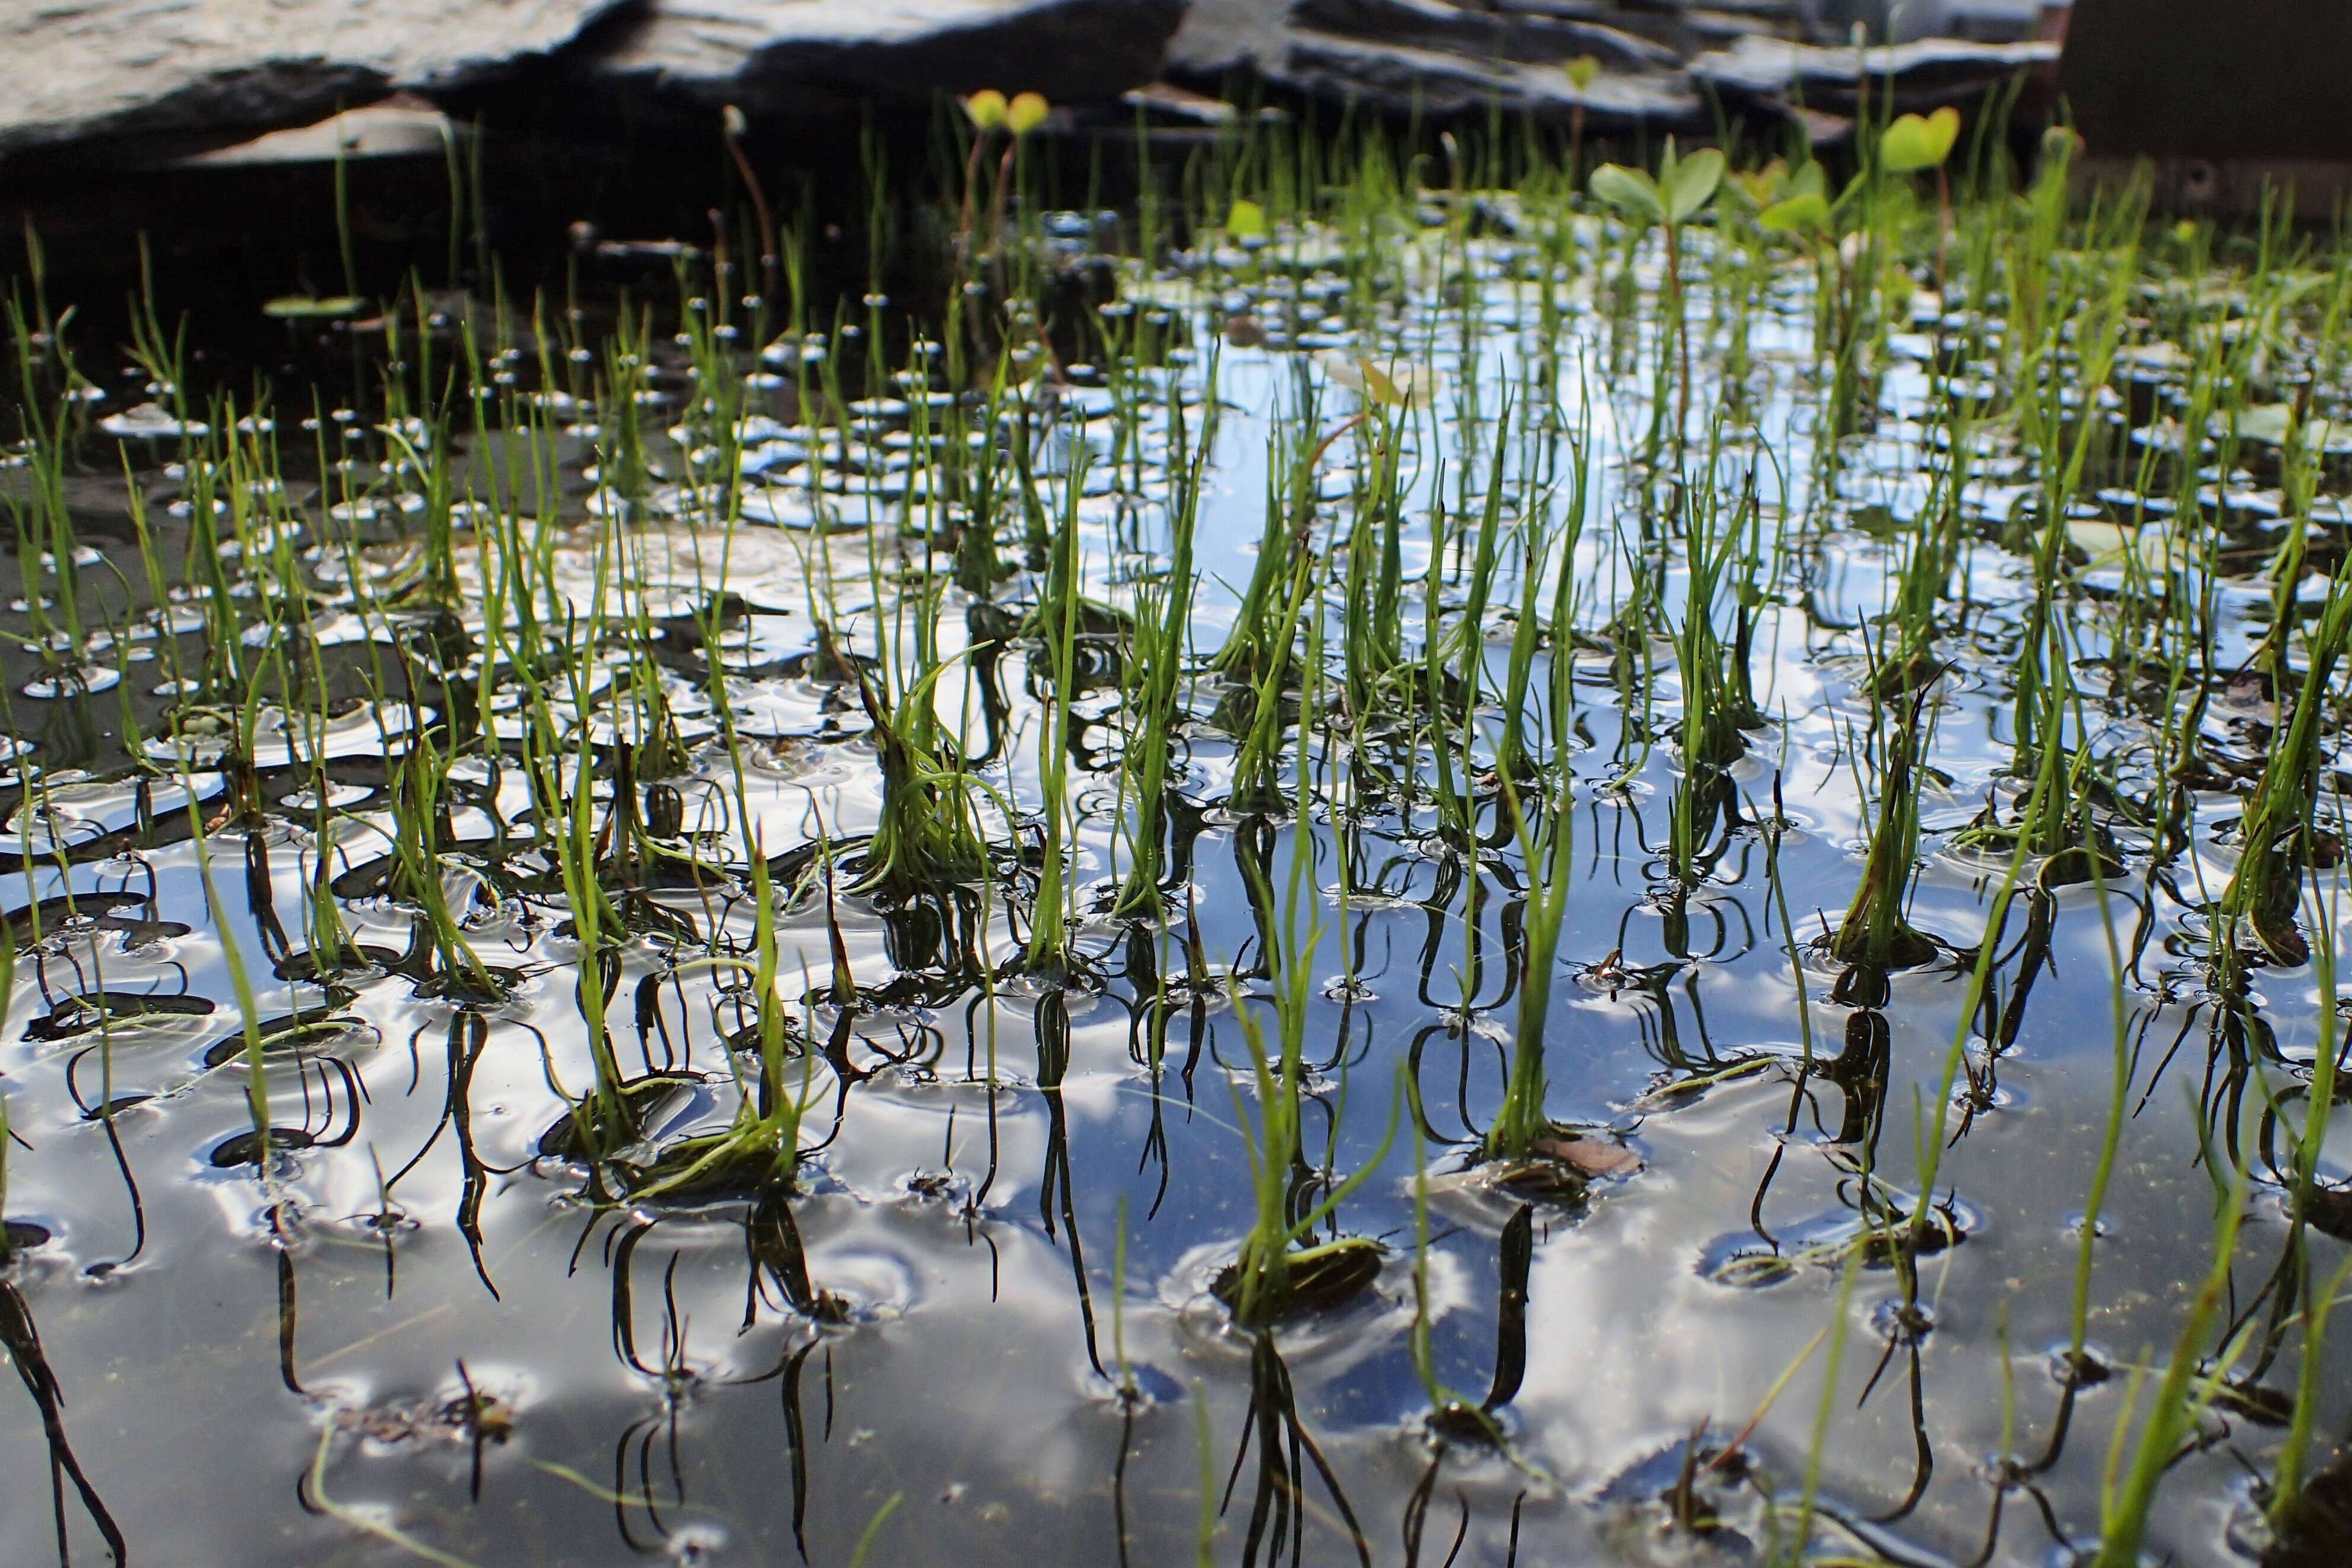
[[1662, 67], [402, 127], [1924, 74], [811, 55], [1399, 77], [1902, 21], [1398, 56], [1220, 35], [1531, 38], [84, 71]]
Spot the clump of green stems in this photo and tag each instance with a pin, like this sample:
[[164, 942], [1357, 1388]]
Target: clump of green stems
[[2274, 832], [256, 1083], [1874, 932], [44, 527], [1545, 547], [760, 1149], [2046, 702], [1547, 852], [1684, 186], [925, 836], [1722, 560], [1049, 931], [417, 835], [1932, 551], [925, 833], [1257, 650], [601, 1118], [1162, 642], [1453, 655], [1273, 1275], [1376, 672]]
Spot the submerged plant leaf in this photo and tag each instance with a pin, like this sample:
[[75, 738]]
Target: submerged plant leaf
[[1581, 71], [1379, 387], [1591, 1156], [302, 307], [1394, 387], [1322, 1279], [1247, 220]]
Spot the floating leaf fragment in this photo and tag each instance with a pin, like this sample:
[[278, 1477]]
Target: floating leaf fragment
[[306, 308]]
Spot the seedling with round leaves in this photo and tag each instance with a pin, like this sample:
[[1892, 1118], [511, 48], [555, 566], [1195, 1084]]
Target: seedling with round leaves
[[1680, 191], [1914, 143], [1673, 197], [991, 113], [1800, 207], [1581, 72]]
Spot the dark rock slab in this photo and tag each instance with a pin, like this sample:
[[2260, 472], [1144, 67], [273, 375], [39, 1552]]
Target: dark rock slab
[[814, 57], [1530, 37], [402, 127], [1221, 36], [1758, 71], [98, 76], [1397, 78], [1440, 58]]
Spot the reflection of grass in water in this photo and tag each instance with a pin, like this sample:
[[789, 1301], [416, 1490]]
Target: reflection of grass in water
[[1548, 852]]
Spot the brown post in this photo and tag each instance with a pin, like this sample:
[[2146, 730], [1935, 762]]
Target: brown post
[[2223, 96]]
